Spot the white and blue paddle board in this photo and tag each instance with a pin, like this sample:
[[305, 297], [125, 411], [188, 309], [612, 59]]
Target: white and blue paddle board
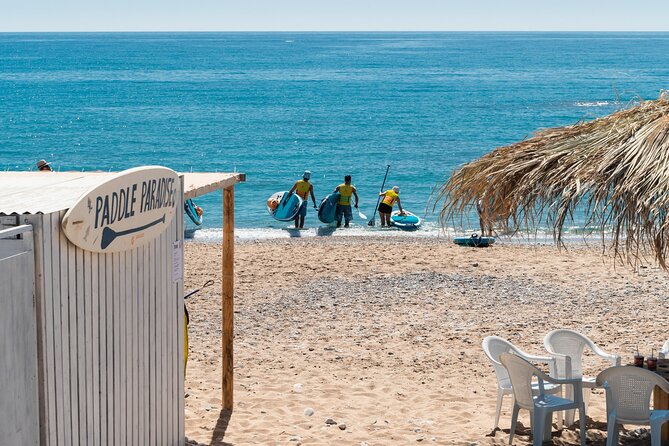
[[474, 240], [327, 210], [407, 220], [287, 205]]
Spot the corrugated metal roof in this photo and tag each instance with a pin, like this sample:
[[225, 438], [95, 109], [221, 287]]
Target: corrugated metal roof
[[47, 192]]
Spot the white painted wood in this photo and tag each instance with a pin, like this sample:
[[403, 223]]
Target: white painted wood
[[112, 347], [128, 210], [134, 342], [180, 424], [160, 338], [70, 428], [116, 287], [43, 373], [82, 375], [93, 347], [19, 401], [145, 360], [102, 326], [153, 398], [59, 257], [109, 320], [42, 266], [139, 340]]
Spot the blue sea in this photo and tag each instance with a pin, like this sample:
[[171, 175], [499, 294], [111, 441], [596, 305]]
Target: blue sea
[[274, 104]]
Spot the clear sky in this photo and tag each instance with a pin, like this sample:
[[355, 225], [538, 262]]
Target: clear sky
[[333, 15]]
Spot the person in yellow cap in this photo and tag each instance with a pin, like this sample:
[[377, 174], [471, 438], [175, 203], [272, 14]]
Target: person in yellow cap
[[344, 204], [386, 206], [303, 188]]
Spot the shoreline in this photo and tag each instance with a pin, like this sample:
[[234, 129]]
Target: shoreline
[[383, 335]]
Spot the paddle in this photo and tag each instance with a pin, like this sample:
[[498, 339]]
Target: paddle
[[372, 222], [109, 235], [361, 215]]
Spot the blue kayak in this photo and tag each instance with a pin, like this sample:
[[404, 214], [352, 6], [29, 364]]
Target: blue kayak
[[474, 240]]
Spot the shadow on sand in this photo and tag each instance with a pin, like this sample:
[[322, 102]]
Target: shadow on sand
[[219, 431]]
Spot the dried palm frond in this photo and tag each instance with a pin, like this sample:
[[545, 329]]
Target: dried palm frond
[[615, 169]]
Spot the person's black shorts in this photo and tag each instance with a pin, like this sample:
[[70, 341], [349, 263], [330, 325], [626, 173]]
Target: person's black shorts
[[385, 209]]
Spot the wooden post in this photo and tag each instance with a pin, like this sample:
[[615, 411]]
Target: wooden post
[[227, 294]]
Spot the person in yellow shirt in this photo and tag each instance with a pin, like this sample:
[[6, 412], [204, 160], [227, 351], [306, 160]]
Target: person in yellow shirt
[[303, 188], [386, 206], [344, 204]]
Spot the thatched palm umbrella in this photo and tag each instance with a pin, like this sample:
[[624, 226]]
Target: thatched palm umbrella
[[614, 169]]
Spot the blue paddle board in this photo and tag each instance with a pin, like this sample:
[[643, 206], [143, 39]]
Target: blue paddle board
[[328, 208], [406, 221], [191, 210], [474, 240], [283, 206]]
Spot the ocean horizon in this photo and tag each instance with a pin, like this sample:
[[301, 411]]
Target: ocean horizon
[[273, 104]]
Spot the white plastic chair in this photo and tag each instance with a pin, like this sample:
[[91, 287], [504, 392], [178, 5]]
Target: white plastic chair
[[543, 405], [572, 344], [493, 347], [664, 351], [628, 391]]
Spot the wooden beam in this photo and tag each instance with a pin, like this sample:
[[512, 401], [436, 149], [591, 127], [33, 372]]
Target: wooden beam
[[227, 294]]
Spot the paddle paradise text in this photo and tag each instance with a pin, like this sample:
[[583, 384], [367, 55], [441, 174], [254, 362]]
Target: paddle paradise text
[[153, 194]]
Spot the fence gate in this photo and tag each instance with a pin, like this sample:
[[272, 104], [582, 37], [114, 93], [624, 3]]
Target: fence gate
[[19, 420]]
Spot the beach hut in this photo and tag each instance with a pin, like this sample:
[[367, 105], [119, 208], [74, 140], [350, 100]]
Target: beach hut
[[91, 267], [614, 170]]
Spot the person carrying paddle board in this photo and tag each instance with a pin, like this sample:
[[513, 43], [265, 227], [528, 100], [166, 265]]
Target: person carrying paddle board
[[303, 188], [344, 204], [386, 206]]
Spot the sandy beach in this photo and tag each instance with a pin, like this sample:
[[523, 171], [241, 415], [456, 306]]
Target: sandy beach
[[368, 341]]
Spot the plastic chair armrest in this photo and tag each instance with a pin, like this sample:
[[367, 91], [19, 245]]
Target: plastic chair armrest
[[552, 365], [615, 359]]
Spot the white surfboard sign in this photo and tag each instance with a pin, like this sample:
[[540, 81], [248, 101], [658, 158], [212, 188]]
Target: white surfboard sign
[[128, 211]]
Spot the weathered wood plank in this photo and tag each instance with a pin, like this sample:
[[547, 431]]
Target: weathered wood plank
[[119, 437], [48, 358], [227, 295], [69, 315], [94, 294], [160, 339], [59, 287], [146, 295], [80, 337], [136, 316], [86, 344], [43, 372], [153, 422], [104, 316], [19, 400], [180, 336], [109, 334]]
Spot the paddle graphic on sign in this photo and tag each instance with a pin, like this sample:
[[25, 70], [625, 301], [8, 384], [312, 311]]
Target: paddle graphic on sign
[[125, 212]]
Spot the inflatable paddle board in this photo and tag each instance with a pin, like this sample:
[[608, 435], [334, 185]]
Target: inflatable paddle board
[[327, 210], [474, 240], [407, 221], [283, 206], [191, 210]]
